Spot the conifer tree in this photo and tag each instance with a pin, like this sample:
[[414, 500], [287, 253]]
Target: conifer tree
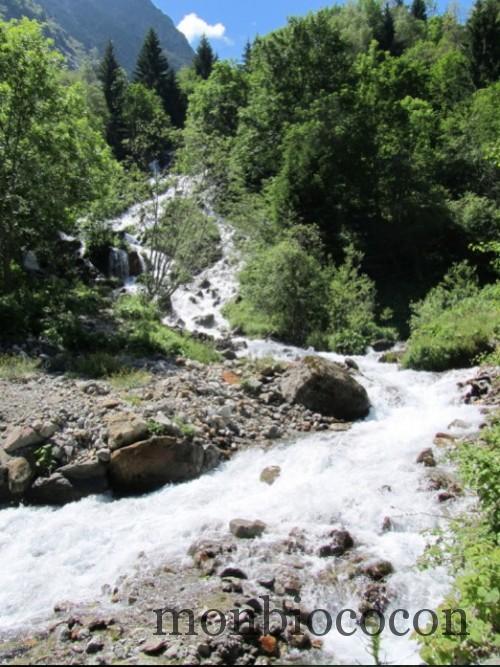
[[155, 73], [419, 10], [484, 38], [247, 55], [205, 58], [114, 84], [387, 32]]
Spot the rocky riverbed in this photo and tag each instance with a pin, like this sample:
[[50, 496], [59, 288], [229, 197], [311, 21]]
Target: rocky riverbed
[[226, 408], [64, 439]]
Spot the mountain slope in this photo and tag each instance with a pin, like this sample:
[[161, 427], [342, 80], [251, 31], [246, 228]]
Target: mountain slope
[[87, 25]]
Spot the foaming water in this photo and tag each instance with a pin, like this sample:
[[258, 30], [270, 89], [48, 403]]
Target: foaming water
[[353, 480]]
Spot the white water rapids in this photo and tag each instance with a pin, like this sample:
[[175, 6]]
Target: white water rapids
[[351, 480]]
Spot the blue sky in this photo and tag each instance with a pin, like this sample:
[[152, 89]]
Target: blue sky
[[229, 23]]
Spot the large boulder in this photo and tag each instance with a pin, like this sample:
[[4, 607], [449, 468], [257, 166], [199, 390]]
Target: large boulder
[[54, 490], [247, 530], [4, 483], [20, 475], [148, 465], [126, 429], [88, 478], [26, 437], [325, 387]]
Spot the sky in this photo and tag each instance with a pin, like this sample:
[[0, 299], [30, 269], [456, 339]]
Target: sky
[[230, 23]]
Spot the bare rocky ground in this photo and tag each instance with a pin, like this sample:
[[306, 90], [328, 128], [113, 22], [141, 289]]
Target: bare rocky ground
[[227, 407]]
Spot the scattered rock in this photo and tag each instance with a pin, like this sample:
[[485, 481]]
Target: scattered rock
[[378, 570], [387, 525], [269, 646], [270, 475], [232, 573], [88, 478], [126, 429], [206, 321], [94, 646], [341, 541], [247, 530], [325, 387], [155, 648], [427, 459], [383, 345]]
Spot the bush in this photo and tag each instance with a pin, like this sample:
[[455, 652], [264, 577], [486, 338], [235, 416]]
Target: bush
[[13, 367], [453, 327], [352, 308], [283, 291]]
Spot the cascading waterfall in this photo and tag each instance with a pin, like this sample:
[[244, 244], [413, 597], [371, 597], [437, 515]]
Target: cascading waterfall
[[119, 264], [351, 480]]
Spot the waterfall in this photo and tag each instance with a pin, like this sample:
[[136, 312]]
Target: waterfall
[[119, 264]]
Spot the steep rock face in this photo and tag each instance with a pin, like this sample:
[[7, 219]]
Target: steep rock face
[[83, 26], [327, 388]]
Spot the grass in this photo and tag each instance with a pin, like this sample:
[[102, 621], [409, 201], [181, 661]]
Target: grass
[[243, 317], [128, 379], [95, 365], [14, 367]]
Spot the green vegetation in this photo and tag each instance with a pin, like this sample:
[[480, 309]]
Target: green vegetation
[[291, 291], [377, 125], [475, 555], [143, 333], [455, 324], [14, 367], [128, 379]]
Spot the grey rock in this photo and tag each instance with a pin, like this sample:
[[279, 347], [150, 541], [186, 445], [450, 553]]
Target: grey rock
[[325, 387], [88, 478], [125, 429], [148, 465], [247, 530], [20, 474], [270, 475], [54, 490]]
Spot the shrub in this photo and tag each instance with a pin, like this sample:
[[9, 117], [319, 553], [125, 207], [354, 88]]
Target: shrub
[[283, 290], [451, 330], [352, 308]]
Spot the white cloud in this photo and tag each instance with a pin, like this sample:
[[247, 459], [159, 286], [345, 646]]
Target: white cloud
[[194, 27]]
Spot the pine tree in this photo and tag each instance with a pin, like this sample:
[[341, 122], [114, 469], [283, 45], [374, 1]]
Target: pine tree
[[114, 85], [247, 55], [205, 58], [155, 73], [387, 32], [419, 10], [484, 38]]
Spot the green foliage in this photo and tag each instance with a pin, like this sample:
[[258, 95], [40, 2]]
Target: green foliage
[[143, 333], [127, 379], [475, 555], [484, 35], [53, 163], [45, 461], [352, 308], [148, 133], [95, 365], [153, 71], [205, 59], [114, 84], [183, 241], [455, 324], [285, 285]]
